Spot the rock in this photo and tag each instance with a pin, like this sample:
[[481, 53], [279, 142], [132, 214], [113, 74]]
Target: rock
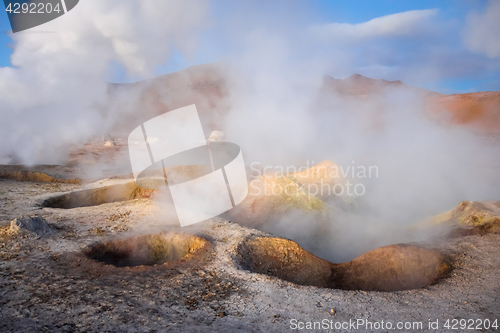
[[468, 218], [35, 225], [484, 216]]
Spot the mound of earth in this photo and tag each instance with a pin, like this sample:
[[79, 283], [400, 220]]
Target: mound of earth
[[326, 172], [389, 268], [32, 226], [38, 173], [469, 217], [484, 216], [270, 197], [325, 180]]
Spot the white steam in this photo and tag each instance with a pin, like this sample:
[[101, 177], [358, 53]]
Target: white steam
[[54, 94], [279, 113], [280, 118]]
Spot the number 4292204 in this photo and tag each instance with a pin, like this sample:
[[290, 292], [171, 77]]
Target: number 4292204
[[33, 8]]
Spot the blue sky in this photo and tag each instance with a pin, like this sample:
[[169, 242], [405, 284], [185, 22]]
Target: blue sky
[[436, 48], [5, 51]]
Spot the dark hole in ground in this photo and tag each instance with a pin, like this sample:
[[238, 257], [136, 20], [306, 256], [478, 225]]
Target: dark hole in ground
[[98, 196], [388, 268], [124, 191], [147, 250]]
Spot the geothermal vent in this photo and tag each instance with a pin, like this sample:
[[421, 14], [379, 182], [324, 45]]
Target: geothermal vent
[[97, 196], [147, 250], [389, 268]]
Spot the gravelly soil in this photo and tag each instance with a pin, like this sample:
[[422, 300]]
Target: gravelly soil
[[48, 285]]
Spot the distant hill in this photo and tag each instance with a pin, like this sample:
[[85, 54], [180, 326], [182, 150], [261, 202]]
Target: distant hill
[[361, 86], [203, 85], [479, 111], [207, 87]]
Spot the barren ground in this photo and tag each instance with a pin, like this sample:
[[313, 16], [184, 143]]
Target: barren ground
[[48, 285]]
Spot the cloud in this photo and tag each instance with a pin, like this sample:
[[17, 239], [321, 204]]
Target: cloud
[[401, 24], [481, 31], [421, 47]]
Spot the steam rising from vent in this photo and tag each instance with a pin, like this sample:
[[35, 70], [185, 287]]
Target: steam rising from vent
[[425, 168], [281, 110], [285, 114], [56, 93]]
